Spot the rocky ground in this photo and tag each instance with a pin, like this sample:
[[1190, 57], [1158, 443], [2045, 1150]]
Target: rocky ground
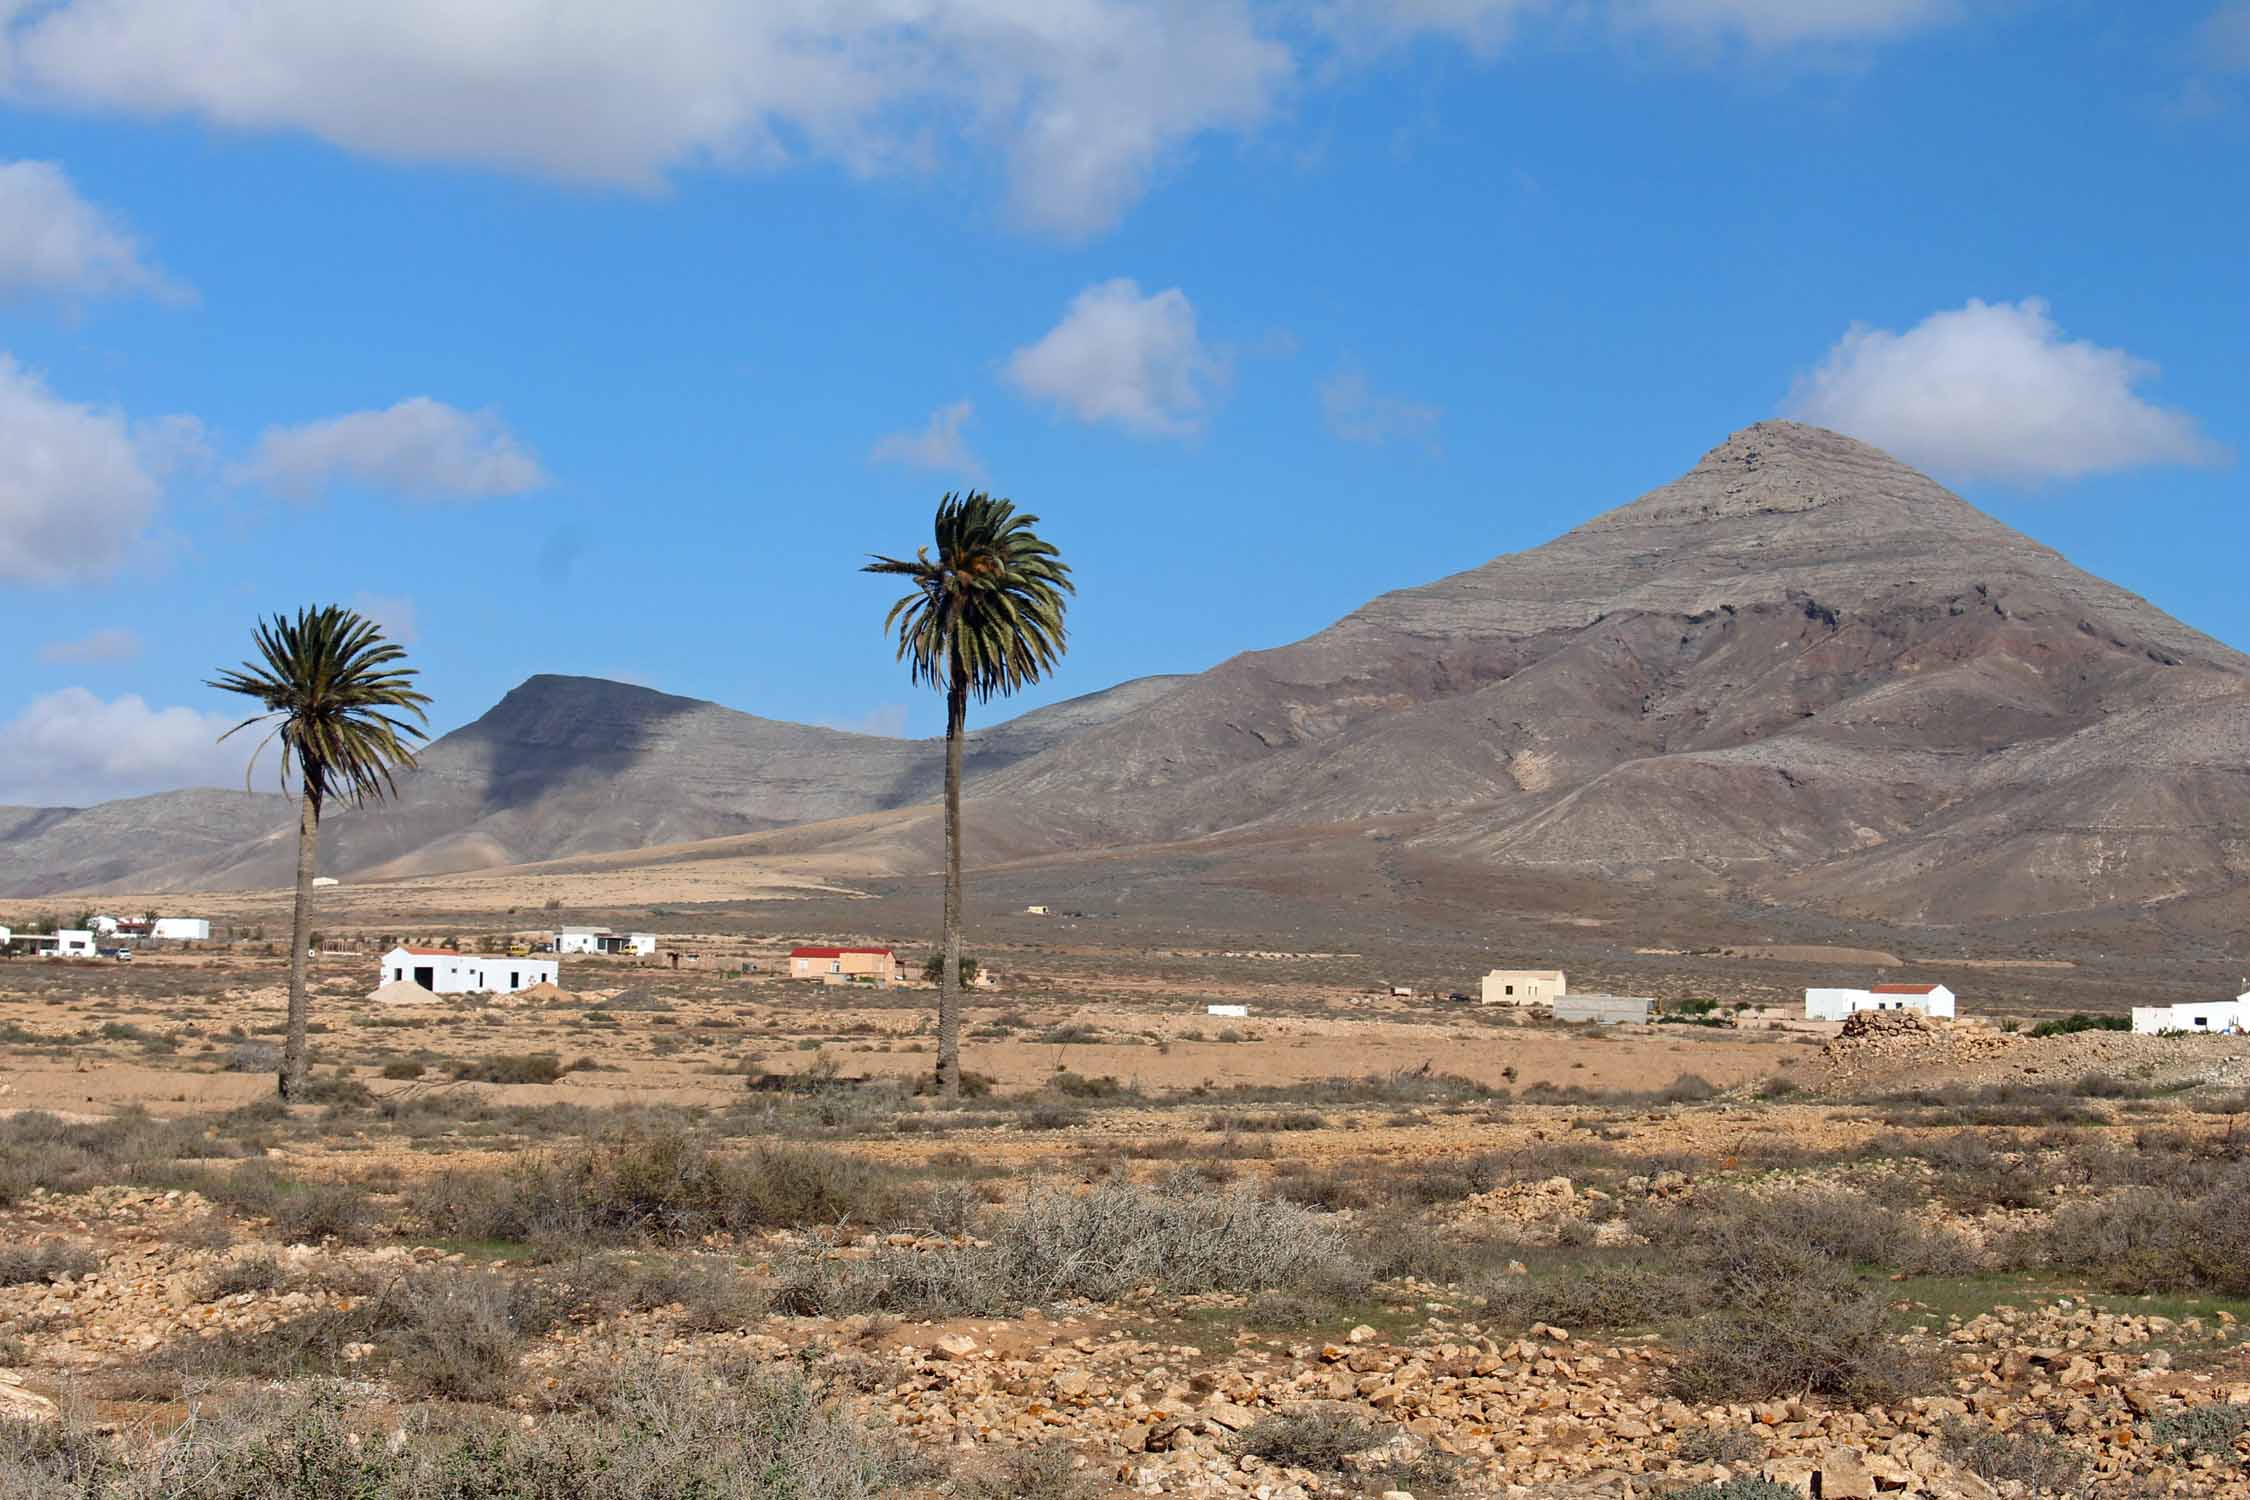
[[1352, 1254]]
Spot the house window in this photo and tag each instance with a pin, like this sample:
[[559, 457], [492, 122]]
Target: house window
[[835, 966], [1511, 989]]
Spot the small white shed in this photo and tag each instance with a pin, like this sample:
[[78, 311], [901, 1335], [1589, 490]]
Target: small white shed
[[441, 971], [182, 929]]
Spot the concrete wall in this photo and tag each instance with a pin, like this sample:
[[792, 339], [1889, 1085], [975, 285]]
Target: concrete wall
[[1524, 987], [1605, 1010]]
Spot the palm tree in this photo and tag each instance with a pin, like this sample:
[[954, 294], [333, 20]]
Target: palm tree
[[985, 618], [340, 696]]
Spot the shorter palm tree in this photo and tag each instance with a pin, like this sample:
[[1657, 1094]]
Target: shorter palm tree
[[338, 700], [985, 619]]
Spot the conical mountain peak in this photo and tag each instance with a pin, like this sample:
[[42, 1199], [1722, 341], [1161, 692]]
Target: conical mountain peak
[[1778, 468]]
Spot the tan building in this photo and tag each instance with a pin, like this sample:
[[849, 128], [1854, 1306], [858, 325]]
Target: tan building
[[876, 965], [1524, 987]]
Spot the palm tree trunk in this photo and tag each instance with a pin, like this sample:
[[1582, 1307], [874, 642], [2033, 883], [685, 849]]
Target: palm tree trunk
[[949, 977], [300, 933]]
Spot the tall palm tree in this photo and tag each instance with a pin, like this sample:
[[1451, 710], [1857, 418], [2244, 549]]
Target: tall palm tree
[[985, 618], [341, 699]]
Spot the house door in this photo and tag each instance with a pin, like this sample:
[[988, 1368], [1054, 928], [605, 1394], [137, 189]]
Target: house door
[[426, 977]]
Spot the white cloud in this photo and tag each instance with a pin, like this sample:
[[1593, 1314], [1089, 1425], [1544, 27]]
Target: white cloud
[[393, 613], [54, 241], [1082, 99], [109, 644], [1788, 23], [2223, 40], [1120, 357], [420, 447], [1483, 26], [1486, 26], [75, 493], [1357, 413], [939, 445], [1994, 390], [71, 748]]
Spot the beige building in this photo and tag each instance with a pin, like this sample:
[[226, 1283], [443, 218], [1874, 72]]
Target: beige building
[[1524, 987], [877, 965]]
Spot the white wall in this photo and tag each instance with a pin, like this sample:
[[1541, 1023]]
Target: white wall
[[580, 940], [1835, 1004], [2203, 1016], [470, 973], [74, 942], [182, 929]]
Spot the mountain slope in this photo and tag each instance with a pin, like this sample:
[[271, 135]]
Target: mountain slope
[[560, 766], [47, 849], [1799, 652]]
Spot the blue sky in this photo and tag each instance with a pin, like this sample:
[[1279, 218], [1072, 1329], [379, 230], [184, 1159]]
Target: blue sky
[[568, 337]]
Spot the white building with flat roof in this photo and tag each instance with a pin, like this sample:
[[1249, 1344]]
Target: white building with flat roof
[[1835, 1004], [602, 940], [441, 971], [182, 929], [2197, 1017], [73, 942]]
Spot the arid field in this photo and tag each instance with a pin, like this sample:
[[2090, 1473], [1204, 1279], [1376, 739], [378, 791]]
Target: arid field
[[701, 1230]]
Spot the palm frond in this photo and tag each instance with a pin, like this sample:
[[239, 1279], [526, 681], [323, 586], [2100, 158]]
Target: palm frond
[[987, 609], [347, 707]]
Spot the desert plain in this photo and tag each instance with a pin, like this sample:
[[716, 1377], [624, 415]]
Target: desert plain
[[687, 1226]]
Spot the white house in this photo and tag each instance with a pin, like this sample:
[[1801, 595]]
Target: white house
[[182, 929], [1524, 987], [72, 942], [2204, 1016], [1835, 1004], [102, 926], [441, 971], [602, 940]]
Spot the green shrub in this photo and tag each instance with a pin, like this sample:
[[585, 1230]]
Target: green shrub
[[2080, 1021], [2200, 1431]]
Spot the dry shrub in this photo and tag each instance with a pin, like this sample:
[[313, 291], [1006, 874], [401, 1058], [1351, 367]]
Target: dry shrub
[[1048, 1471], [653, 1431], [2154, 1240], [667, 1184], [2037, 1461], [23, 1265], [1317, 1438]]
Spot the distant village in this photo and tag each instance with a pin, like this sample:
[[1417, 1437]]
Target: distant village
[[408, 972]]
